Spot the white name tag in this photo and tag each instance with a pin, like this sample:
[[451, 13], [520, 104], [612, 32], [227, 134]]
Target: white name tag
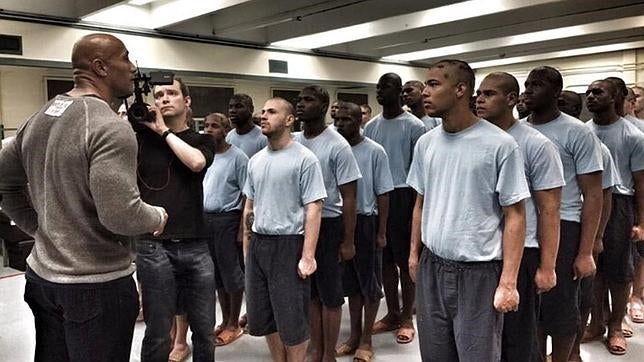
[[57, 108]]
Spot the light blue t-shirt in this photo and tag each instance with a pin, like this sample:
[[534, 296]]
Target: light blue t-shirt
[[610, 175], [626, 145], [280, 183], [639, 123], [543, 171], [376, 177], [431, 122], [338, 165], [466, 178], [250, 142], [398, 136], [224, 181], [580, 154]]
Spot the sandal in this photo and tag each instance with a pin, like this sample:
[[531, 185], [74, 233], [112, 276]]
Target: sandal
[[636, 312], [228, 336], [383, 326], [405, 335], [218, 329], [616, 344], [345, 349], [627, 330], [179, 356], [363, 355]]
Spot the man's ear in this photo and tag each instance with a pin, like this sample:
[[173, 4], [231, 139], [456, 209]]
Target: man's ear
[[99, 67], [462, 90], [512, 99], [188, 101], [290, 119], [325, 108]]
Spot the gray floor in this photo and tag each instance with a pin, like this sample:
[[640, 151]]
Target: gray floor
[[17, 335]]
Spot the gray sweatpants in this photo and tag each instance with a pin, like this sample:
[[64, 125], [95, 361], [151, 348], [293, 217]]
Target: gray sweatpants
[[455, 311]]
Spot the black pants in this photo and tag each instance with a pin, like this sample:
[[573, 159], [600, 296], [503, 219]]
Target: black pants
[[82, 322]]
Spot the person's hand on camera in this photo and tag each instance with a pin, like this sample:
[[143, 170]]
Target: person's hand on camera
[[164, 219], [157, 124]]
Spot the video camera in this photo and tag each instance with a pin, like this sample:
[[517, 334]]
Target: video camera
[[138, 112]]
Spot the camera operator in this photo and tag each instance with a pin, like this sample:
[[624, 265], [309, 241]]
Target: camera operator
[[172, 163], [68, 180]]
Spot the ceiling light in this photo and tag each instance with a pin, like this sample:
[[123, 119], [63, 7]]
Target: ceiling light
[[139, 2], [559, 54], [439, 15], [520, 39]]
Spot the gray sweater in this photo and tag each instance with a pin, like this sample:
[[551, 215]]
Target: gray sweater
[[69, 180]]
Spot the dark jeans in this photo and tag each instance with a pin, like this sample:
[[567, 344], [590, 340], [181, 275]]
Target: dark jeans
[[82, 322], [164, 267]]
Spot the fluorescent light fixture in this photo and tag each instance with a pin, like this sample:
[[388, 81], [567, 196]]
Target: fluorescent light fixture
[[439, 15], [139, 2], [158, 14], [526, 38], [560, 54]]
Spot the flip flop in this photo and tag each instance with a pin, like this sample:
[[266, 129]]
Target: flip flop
[[179, 356], [345, 349], [627, 331], [228, 336], [405, 335], [616, 344], [381, 327], [363, 355], [636, 312]]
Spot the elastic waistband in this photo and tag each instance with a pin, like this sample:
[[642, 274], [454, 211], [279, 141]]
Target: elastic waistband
[[31, 276], [628, 198], [236, 213], [262, 237], [462, 264]]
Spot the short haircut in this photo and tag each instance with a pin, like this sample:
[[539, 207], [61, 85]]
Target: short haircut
[[353, 109], [366, 106], [507, 82], [551, 75], [622, 91], [221, 119], [416, 84], [290, 110], [392, 76], [462, 71], [576, 95], [631, 95], [184, 88], [244, 99], [613, 88], [319, 92]]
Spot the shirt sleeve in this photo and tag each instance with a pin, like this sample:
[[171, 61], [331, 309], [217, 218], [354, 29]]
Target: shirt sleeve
[[586, 152], [610, 176], [416, 171], [546, 168], [383, 181], [511, 182], [346, 166], [312, 182], [207, 148], [242, 168], [249, 188], [637, 153]]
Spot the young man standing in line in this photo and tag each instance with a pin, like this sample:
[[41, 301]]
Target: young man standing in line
[[496, 97], [470, 215], [362, 275], [284, 193], [412, 97], [337, 231]]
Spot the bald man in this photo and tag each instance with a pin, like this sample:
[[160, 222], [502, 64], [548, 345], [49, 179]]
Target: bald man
[[79, 276], [570, 103], [412, 96]]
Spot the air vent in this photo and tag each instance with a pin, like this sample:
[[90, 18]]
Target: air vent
[[277, 66], [10, 44]]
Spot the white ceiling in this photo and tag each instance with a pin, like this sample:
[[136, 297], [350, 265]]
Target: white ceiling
[[418, 31]]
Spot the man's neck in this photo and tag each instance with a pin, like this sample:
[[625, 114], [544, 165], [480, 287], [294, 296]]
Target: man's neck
[[606, 118], [640, 114], [418, 110], [390, 111], [221, 146], [459, 118], [280, 141], [505, 121], [313, 128], [245, 127], [177, 124], [355, 138], [544, 116]]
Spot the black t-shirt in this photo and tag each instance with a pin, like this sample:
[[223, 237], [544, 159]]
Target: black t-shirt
[[165, 181]]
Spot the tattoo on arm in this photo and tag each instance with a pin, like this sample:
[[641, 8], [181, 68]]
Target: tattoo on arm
[[250, 218]]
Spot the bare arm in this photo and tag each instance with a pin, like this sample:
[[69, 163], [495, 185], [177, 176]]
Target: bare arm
[[591, 189], [247, 220], [383, 215], [638, 230], [607, 206], [313, 219], [348, 192], [548, 203], [506, 298], [414, 252]]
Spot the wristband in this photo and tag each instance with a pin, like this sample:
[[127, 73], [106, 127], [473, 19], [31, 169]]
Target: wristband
[[166, 133]]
